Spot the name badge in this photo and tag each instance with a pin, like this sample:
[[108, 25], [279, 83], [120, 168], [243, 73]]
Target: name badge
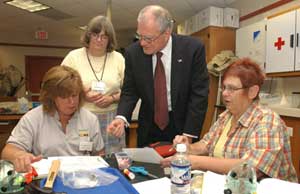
[[84, 135], [98, 86], [86, 146]]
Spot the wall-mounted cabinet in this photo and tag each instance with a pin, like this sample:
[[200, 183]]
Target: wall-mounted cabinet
[[251, 42], [282, 44]]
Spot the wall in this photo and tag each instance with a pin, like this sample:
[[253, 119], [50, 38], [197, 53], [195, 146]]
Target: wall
[[14, 55], [245, 7], [283, 85], [57, 38]]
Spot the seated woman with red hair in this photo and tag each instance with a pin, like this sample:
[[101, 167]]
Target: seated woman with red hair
[[245, 132]]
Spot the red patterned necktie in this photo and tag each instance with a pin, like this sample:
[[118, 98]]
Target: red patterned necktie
[[161, 113]]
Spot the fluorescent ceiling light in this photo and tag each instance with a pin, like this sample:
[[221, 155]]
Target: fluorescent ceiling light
[[28, 5]]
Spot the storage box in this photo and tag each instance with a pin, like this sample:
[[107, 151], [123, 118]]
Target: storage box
[[191, 25], [231, 17], [211, 16]]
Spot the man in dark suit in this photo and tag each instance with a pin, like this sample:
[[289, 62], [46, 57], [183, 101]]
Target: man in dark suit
[[178, 102]]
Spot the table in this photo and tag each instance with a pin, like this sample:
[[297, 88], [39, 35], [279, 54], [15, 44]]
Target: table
[[7, 123], [151, 168]]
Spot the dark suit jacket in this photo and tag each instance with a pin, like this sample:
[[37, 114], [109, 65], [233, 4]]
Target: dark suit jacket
[[189, 86]]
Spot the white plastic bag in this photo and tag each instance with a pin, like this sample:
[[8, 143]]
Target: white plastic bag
[[80, 178]]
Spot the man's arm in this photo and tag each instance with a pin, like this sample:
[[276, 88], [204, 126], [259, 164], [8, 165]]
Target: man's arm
[[129, 96], [198, 101]]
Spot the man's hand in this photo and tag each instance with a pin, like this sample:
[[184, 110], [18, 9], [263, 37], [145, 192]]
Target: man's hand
[[23, 162], [116, 127]]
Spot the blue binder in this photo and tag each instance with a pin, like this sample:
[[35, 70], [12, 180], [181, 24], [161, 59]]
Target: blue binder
[[121, 186]]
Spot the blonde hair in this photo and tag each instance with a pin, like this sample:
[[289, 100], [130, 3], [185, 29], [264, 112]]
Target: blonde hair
[[60, 81]]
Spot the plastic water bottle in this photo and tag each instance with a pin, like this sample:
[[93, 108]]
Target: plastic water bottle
[[180, 172]]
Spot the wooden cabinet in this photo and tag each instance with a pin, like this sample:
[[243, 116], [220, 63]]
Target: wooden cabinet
[[294, 123], [282, 42], [7, 123], [215, 40]]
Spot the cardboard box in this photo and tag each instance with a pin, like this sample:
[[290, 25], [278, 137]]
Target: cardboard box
[[211, 16], [231, 17]]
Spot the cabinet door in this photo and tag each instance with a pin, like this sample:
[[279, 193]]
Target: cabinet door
[[294, 123], [280, 43], [297, 57]]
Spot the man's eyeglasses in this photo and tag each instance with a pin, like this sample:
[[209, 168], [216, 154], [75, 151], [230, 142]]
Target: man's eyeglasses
[[148, 39], [231, 89], [98, 35]]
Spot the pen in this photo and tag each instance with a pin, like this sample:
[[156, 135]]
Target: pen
[[171, 149]]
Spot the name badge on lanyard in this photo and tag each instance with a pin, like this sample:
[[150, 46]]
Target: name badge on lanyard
[[84, 141], [98, 86]]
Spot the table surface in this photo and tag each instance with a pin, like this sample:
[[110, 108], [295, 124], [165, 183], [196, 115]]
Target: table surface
[[154, 169]]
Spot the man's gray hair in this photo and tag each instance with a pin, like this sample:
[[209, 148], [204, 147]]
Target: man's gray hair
[[161, 16]]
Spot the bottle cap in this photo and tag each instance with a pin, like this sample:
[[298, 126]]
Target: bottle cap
[[181, 147]]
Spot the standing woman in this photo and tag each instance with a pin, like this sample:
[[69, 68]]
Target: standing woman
[[102, 71]]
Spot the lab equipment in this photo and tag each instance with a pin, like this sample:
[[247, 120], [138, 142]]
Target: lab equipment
[[241, 179], [123, 160], [10, 181]]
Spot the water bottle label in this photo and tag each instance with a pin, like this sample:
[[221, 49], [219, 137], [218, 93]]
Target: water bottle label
[[180, 175]]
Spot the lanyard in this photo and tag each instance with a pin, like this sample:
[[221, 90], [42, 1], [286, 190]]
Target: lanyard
[[103, 68]]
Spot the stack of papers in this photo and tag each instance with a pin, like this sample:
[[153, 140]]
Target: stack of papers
[[161, 186], [276, 186], [146, 154], [214, 183]]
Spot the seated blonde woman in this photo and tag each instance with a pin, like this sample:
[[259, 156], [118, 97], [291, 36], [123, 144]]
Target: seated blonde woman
[[245, 132], [59, 127]]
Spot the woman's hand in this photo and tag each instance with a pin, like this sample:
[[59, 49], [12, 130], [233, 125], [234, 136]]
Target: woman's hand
[[23, 161], [92, 96], [100, 100], [181, 139], [104, 101], [166, 162]]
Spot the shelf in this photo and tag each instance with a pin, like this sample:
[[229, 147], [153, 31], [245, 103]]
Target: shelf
[[284, 74]]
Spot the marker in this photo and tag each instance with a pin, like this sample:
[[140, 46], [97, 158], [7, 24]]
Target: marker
[[129, 174]]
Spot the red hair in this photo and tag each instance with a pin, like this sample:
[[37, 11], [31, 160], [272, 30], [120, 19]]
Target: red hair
[[247, 71]]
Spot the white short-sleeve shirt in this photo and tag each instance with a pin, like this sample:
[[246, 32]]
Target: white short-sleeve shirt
[[42, 134]]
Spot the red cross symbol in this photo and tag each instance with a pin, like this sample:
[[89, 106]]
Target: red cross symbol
[[279, 43]]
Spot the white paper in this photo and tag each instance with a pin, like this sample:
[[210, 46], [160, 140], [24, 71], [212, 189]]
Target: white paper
[[159, 186], [213, 183], [146, 154], [276, 186], [69, 162]]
